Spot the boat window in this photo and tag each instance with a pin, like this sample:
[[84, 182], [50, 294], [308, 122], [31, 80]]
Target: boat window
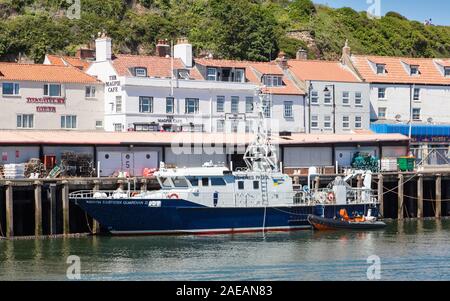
[[180, 182], [205, 182], [255, 185], [217, 182], [241, 185], [193, 181], [165, 182]]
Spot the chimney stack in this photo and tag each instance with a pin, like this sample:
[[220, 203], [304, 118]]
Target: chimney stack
[[103, 48], [302, 54], [346, 51], [162, 48], [183, 51], [282, 60]]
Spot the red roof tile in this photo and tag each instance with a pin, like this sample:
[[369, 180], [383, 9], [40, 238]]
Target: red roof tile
[[44, 73], [156, 66], [321, 71], [396, 71], [68, 60]]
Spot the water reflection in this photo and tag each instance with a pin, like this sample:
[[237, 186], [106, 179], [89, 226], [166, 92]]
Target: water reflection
[[404, 247]]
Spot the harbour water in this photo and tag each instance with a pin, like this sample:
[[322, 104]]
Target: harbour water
[[409, 250]]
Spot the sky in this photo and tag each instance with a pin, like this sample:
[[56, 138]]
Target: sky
[[437, 10]]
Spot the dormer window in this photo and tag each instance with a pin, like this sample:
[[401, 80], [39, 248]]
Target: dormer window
[[273, 81], [447, 71], [140, 72], [183, 74], [381, 69], [414, 70]]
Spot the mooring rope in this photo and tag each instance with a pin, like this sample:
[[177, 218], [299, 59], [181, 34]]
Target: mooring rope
[[87, 222]]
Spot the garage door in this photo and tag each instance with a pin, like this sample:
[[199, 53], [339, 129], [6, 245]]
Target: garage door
[[112, 162], [296, 157]]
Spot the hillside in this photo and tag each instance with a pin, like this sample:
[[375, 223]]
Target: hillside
[[238, 29]]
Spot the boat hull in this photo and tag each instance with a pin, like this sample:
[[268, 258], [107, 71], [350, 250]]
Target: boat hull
[[320, 223], [166, 217]]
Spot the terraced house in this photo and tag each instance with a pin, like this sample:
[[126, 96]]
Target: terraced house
[[49, 97], [179, 93]]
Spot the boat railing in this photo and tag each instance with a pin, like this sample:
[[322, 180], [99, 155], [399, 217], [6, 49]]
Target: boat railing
[[102, 194]]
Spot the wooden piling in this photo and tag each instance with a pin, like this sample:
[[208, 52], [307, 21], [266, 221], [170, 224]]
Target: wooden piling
[[438, 196], [420, 196], [9, 210], [95, 224], [38, 208], [400, 213], [52, 200], [65, 206], [381, 194]]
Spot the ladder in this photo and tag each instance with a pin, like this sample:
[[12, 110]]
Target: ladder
[[264, 192]]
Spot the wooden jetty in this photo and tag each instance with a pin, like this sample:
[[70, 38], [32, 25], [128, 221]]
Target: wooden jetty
[[41, 208]]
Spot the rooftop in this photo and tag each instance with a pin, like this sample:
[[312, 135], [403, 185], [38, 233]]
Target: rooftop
[[35, 137], [44, 73], [308, 70], [396, 71]]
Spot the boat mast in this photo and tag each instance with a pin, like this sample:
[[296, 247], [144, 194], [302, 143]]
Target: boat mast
[[261, 154]]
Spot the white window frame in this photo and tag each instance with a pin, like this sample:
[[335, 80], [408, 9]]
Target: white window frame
[[416, 116], [358, 122], [239, 75], [416, 96], [99, 124], [68, 121], [327, 120], [234, 126], [25, 121], [446, 71], [346, 98], [384, 93], [187, 106], [288, 111], [220, 104], [314, 121], [382, 68], [16, 89], [48, 88], [249, 126], [273, 80], [143, 99], [346, 122], [210, 76], [220, 126], [118, 104], [416, 68], [314, 97], [170, 105], [140, 72], [267, 108], [90, 92], [118, 127], [358, 98]]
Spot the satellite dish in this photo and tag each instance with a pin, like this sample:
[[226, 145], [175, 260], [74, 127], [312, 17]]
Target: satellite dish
[[398, 117], [430, 120]]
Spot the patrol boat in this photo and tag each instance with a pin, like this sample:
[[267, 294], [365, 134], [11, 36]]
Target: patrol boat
[[213, 199]]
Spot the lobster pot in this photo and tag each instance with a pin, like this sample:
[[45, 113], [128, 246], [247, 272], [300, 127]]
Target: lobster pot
[[14, 171], [389, 164]]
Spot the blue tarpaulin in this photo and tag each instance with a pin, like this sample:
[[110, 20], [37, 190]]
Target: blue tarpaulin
[[423, 131]]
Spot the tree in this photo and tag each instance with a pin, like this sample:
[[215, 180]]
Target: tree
[[301, 10]]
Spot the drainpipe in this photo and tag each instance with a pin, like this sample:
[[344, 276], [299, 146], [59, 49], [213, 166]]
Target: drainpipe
[[309, 107]]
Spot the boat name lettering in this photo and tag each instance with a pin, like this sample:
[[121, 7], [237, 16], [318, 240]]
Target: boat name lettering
[[154, 203]]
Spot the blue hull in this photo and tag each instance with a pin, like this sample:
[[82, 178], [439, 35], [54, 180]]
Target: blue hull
[[136, 217]]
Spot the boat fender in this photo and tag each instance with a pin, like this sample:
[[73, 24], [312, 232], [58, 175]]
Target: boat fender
[[173, 196]]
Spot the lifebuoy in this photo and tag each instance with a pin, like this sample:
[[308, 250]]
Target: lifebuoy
[[330, 196], [173, 196]]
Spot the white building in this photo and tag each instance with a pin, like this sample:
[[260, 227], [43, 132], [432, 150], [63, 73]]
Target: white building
[[338, 101], [160, 93], [405, 89], [48, 97]]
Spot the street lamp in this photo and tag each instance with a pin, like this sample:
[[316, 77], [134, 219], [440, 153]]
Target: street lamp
[[326, 90]]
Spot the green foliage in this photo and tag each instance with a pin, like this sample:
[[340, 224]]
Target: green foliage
[[235, 29]]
